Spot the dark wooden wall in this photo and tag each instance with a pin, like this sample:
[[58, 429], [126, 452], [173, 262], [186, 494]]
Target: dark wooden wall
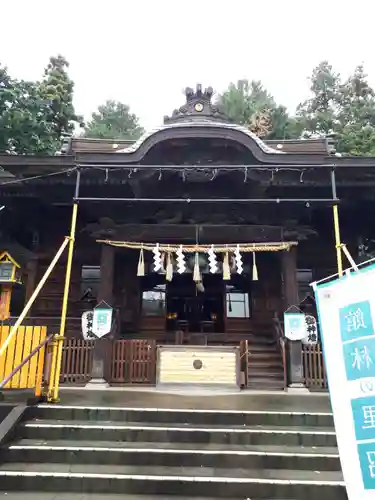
[[266, 294]]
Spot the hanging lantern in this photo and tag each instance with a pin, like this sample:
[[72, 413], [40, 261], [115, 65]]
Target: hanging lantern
[[255, 269]]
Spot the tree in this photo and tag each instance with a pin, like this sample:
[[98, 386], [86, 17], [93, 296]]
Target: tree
[[356, 133], [6, 98], [318, 116], [56, 93], [34, 116], [245, 101], [345, 110], [113, 120]]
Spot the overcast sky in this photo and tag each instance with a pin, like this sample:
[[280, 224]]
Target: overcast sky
[[145, 52]]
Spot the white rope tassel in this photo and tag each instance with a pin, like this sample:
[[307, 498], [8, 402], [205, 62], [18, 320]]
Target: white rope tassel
[[255, 269], [169, 270], [226, 268], [141, 264], [197, 274]]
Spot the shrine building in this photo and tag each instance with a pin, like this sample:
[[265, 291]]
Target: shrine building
[[194, 240]]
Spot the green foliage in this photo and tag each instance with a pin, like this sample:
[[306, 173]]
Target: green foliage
[[318, 115], [346, 110], [113, 120], [356, 133], [244, 100], [34, 116]]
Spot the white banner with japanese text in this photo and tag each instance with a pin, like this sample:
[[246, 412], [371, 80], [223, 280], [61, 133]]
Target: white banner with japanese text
[[346, 310], [102, 320]]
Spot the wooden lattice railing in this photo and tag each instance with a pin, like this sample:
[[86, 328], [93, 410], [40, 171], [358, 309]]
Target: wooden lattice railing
[[76, 361], [130, 361], [313, 366], [133, 362]]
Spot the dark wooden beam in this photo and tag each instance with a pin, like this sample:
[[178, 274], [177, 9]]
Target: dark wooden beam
[[289, 272]]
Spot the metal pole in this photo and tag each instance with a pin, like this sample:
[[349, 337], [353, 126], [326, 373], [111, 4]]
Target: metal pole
[[64, 309], [336, 224], [33, 297], [213, 200], [121, 165], [349, 257]]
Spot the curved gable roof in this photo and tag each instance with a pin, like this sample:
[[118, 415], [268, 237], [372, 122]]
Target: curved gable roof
[[198, 117], [201, 127]]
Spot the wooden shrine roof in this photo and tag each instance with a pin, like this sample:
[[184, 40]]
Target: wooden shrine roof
[[322, 146]]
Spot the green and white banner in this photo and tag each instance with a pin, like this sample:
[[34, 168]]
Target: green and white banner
[[346, 310]]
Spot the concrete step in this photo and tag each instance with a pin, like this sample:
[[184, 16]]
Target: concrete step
[[42, 495], [214, 400], [182, 416], [266, 360], [191, 482], [130, 431], [263, 348], [155, 454], [261, 382], [266, 372]]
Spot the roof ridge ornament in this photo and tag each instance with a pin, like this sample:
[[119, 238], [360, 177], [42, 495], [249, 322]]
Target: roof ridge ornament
[[198, 107]]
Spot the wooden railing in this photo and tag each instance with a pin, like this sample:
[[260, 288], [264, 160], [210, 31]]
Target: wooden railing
[[76, 361], [73, 324], [244, 363], [279, 334], [130, 361], [22, 363], [133, 362], [313, 367]]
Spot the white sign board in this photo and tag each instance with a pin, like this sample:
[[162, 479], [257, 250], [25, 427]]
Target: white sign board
[[87, 321], [311, 337], [346, 310], [102, 321], [294, 326]]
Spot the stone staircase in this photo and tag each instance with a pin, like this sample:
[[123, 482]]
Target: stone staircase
[[87, 452], [265, 364]]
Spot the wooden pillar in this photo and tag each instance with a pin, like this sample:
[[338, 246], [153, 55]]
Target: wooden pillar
[[289, 265], [289, 271], [32, 269], [107, 267], [105, 293], [31, 276]]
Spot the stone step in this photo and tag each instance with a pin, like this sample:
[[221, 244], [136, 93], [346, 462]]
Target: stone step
[[266, 361], [114, 431], [258, 382], [147, 454], [266, 372], [263, 348], [181, 416], [191, 482], [42, 495]]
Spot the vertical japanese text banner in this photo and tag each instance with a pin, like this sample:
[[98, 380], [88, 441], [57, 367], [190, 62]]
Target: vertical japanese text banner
[[346, 309]]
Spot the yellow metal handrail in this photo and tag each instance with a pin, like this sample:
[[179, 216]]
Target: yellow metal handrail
[[33, 297], [53, 386], [20, 365]]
